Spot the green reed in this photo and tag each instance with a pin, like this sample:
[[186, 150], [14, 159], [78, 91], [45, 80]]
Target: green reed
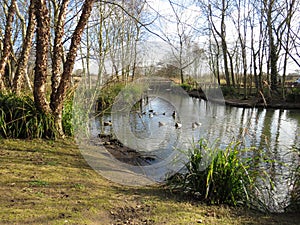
[[295, 193], [220, 176]]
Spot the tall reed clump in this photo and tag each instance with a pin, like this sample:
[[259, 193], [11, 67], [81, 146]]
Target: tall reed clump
[[295, 194], [219, 176], [19, 118]]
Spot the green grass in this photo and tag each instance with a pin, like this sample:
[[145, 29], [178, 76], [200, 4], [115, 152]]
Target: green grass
[[34, 190]]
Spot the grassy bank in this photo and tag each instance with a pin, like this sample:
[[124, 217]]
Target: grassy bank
[[47, 182]]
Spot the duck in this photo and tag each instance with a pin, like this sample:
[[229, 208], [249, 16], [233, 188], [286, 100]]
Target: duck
[[164, 113], [178, 125], [107, 123], [198, 123], [194, 125], [161, 124], [174, 114], [150, 115]]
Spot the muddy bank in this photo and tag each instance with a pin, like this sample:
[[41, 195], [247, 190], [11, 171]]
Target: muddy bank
[[121, 152], [248, 103]]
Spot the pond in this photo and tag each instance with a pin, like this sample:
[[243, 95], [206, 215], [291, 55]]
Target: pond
[[151, 130]]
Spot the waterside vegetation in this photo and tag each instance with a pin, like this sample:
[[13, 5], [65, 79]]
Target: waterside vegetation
[[224, 176]]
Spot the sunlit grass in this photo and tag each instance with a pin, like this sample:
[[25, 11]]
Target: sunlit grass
[[34, 190]]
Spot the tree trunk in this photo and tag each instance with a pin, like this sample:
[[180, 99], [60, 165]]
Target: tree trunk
[[224, 44], [231, 69], [273, 57], [6, 43], [222, 35], [69, 64], [290, 9], [217, 69], [23, 59], [58, 51], [41, 62]]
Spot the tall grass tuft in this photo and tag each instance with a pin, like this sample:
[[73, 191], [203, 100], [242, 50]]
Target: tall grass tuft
[[19, 118], [219, 176], [67, 117], [295, 194]]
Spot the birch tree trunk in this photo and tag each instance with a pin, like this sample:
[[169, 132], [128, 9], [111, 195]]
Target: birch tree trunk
[[41, 62], [6, 43], [57, 102], [58, 51], [23, 59]]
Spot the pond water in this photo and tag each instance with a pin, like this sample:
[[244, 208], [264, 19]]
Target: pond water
[[151, 130]]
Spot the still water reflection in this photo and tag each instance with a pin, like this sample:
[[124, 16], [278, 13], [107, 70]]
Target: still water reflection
[[275, 131]]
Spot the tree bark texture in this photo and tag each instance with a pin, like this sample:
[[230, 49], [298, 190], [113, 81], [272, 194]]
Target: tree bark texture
[[7, 48], [273, 56], [26, 47], [58, 51], [41, 63]]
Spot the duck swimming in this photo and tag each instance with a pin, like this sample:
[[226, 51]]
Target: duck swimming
[[107, 123], [198, 124], [174, 114], [194, 125], [178, 125], [161, 124]]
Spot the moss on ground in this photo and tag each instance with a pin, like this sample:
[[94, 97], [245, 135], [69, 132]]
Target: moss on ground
[[47, 182]]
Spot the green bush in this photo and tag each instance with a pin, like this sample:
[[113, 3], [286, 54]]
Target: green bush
[[186, 86], [228, 91], [293, 95], [108, 94], [218, 176], [19, 118]]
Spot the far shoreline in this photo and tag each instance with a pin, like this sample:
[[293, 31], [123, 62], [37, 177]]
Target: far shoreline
[[250, 103]]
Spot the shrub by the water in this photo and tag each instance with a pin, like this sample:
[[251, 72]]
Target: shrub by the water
[[218, 176], [228, 91], [186, 86], [108, 94]]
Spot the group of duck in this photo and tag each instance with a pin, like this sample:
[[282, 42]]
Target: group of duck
[[178, 125]]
